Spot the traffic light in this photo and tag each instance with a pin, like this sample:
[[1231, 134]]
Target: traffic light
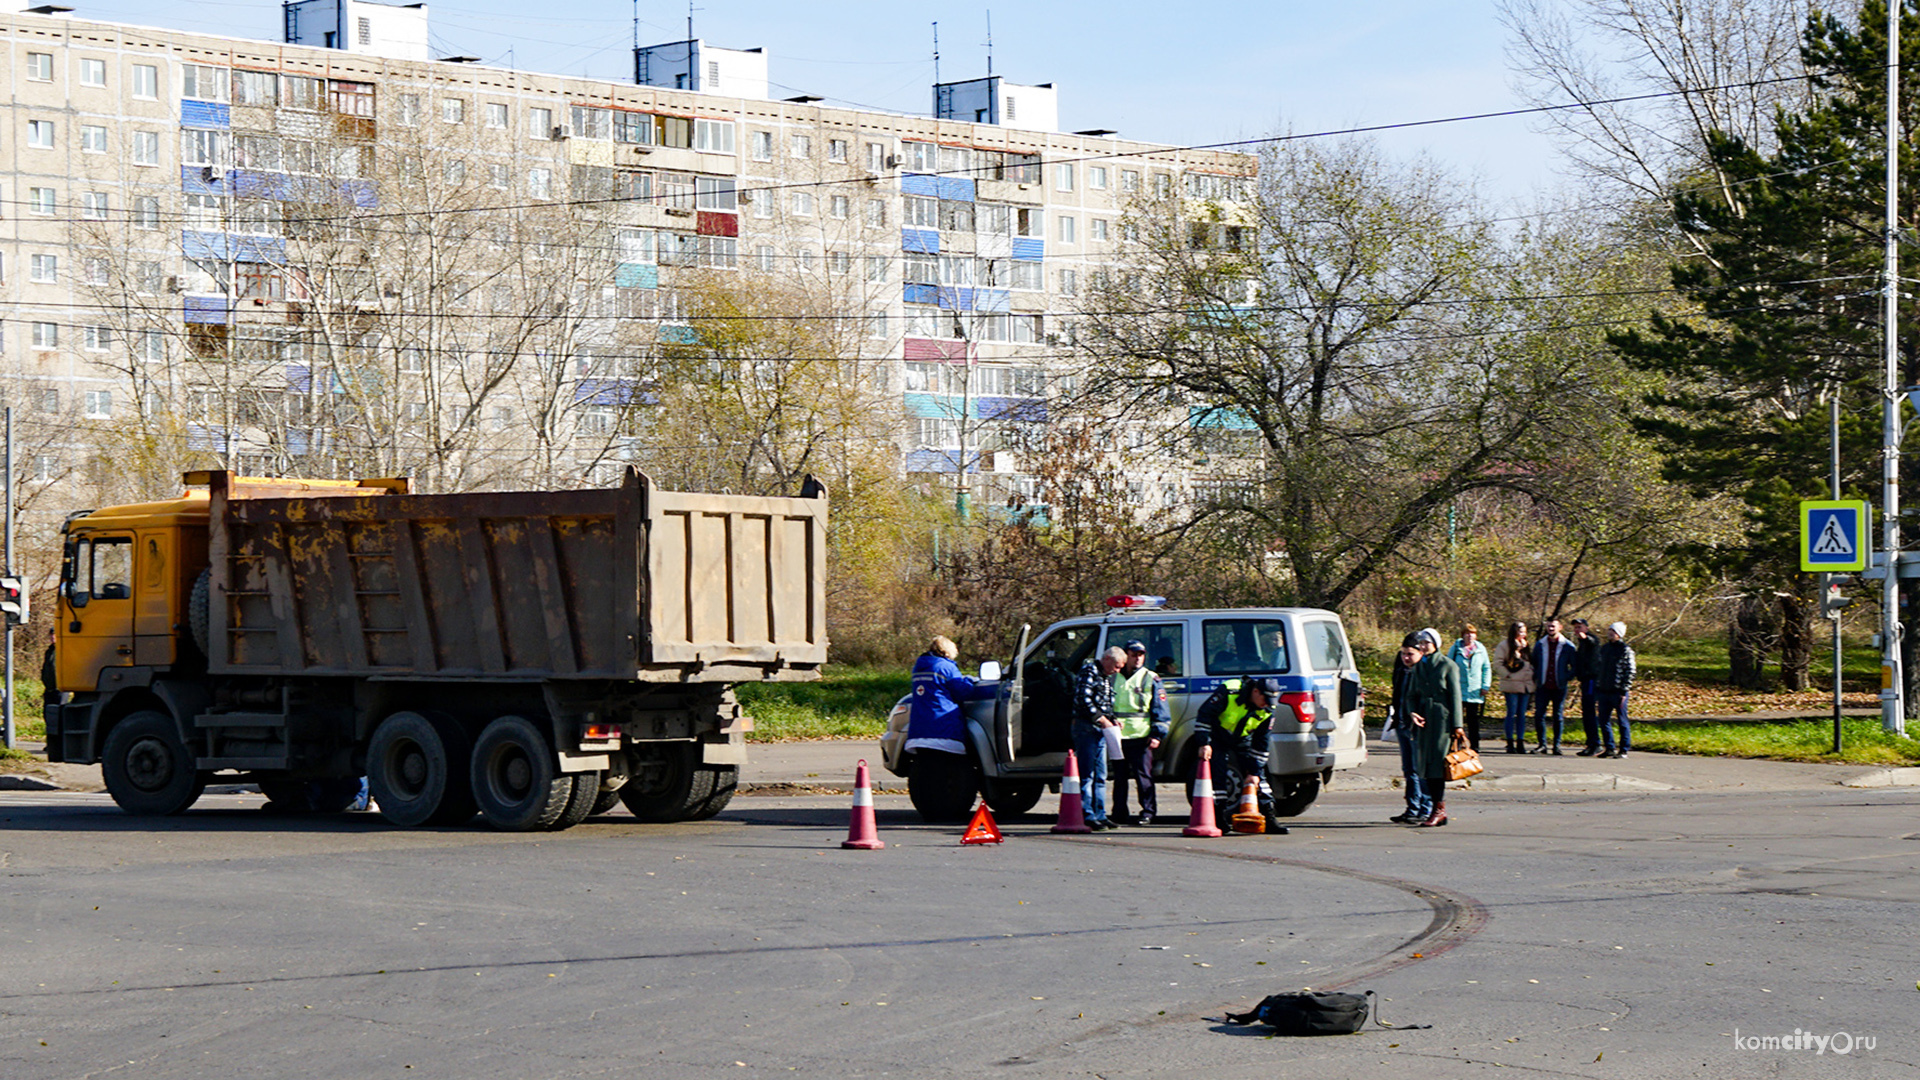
[[1831, 602], [13, 600]]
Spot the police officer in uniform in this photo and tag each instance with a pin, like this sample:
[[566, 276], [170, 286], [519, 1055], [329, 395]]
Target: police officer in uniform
[[1238, 718]]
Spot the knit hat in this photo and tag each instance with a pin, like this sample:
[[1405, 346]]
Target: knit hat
[[1431, 635], [1618, 628]]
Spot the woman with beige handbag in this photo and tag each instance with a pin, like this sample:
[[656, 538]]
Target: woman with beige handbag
[[1438, 726]]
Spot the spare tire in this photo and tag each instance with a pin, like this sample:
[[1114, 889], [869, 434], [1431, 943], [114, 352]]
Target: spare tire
[[200, 610]]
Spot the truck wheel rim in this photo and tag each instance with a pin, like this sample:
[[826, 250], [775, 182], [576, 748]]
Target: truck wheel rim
[[150, 764]]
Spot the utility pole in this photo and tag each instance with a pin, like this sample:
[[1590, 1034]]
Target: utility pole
[[1833, 426], [1892, 678], [6, 710]]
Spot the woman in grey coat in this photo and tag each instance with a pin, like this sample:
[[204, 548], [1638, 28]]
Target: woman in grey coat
[[1433, 708]]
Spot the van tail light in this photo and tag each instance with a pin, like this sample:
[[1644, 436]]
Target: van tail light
[[1301, 702]]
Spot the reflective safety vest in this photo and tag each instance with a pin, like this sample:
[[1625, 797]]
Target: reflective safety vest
[[1237, 719]]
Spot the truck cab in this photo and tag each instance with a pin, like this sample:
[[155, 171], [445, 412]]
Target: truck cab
[[1019, 736]]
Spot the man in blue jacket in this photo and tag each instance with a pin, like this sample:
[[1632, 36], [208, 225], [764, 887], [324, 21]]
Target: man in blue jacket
[[1556, 662]]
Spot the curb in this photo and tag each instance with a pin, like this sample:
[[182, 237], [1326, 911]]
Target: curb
[[1907, 777]]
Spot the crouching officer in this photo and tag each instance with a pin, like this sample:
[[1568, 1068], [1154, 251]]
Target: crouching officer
[[1239, 718]]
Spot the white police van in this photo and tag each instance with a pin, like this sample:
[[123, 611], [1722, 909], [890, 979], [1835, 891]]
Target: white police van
[[1019, 737]]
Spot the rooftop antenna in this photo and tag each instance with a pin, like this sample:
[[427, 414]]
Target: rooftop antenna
[[636, 25], [989, 43], [936, 52], [689, 20]]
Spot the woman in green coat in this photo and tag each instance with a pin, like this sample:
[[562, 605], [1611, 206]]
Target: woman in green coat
[[1433, 706]]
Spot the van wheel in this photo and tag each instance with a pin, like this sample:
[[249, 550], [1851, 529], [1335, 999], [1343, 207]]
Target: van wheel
[[148, 770], [1292, 797], [516, 781], [1011, 798], [942, 786]]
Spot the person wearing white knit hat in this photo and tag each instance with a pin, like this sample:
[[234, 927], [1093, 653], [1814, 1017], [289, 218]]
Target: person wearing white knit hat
[[1612, 680]]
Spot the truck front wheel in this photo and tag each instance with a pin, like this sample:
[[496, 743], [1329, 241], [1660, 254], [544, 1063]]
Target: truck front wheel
[[148, 770], [942, 786], [515, 779]]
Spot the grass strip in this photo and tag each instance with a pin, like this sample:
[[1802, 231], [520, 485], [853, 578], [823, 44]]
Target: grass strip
[[1862, 741], [847, 703]]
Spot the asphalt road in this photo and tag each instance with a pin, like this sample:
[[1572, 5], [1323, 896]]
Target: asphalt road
[[1601, 935]]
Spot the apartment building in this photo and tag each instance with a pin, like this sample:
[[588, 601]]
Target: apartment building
[[338, 254]]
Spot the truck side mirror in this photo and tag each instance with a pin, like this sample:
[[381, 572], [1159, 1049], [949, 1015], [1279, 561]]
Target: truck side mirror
[[78, 599], [990, 671]]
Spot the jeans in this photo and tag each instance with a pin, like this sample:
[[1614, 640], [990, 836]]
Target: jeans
[[1090, 747], [1431, 791], [1419, 805], [1517, 718], [1549, 700], [1138, 764], [1588, 719], [1609, 704]]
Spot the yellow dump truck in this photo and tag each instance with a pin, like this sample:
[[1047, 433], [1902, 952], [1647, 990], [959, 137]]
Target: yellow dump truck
[[534, 657]]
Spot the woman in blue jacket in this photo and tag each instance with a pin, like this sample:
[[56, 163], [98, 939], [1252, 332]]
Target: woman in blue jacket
[[938, 766], [1476, 678]]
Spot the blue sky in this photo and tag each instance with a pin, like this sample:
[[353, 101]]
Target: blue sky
[[1162, 72]]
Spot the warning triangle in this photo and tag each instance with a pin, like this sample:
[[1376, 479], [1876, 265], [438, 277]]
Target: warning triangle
[[1833, 539], [982, 829]]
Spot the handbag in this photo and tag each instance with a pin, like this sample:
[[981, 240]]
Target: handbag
[[1464, 763]]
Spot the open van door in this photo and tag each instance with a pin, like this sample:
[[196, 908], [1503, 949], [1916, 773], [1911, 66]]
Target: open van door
[[1007, 706]]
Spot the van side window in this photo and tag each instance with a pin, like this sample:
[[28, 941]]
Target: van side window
[[1326, 645], [1245, 646], [1166, 644]]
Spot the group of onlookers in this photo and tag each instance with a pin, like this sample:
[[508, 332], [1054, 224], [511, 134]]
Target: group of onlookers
[[1542, 674]]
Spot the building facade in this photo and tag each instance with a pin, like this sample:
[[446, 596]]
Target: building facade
[[312, 259]]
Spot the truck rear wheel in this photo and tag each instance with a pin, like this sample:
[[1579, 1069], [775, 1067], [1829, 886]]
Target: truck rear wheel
[[416, 771], [147, 769], [604, 802], [942, 786], [516, 781], [671, 786], [1291, 797], [722, 780], [586, 796]]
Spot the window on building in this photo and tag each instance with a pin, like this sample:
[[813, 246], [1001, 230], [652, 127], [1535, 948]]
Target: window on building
[[145, 149], [1025, 275], [301, 92], [919, 268], [93, 205], [635, 185], [1162, 185], [836, 149], [875, 215], [410, 109], [146, 82], [877, 328], [956, 269], [800, 146], [40, 134], [256, 152], [42, 200], [803, 203], [674, 131], [634, 245], [99, 271], [256, 87], [147, 277], [497, 115], [540, 183], [713, 136], [761, 145], [1063, 177], [540, 123], [877, 268], [1097, 177], [1097, 228], [93, 139], [840, 207], [454, 172], [203, 83], [676, 190], [40, 66], [876, 157], [714, 193], [498, 177], [805, 260], [49, 401], [453, 110], [203, 147], [146, 212], [635, 128], [99, 404], [956, 216], [1066, 229], [93, 72], [1026, 329], [839, 262], [44, 268], [763, 200], [96, 338], [763, 258], [1129, 181], [922, 212], [351, 98], [46, 335]]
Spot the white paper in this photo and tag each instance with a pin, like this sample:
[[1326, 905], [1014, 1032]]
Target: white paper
[[1112, 734]]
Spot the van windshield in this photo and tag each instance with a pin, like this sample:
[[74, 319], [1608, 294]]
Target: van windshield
[[1245, 646]]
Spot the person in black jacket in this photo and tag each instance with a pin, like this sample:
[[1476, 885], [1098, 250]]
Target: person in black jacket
[[1613, 678], [1586, 659], [1419, 807], [1238, 718]]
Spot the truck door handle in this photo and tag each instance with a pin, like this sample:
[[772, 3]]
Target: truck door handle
[[124, 650]]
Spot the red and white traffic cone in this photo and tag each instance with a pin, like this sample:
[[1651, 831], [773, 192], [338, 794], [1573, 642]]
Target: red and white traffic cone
[[1073, 818], [1200, 818], [1249, 819], [861, 832]]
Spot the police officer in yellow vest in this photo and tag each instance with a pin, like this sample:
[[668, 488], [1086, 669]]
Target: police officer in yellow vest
[[1140, 705], [1238, 719]]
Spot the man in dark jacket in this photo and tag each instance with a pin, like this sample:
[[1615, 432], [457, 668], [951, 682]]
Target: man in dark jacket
[[1238, 718], [1613, 678], [1554, 658], [1092, 715], [1587, 651]]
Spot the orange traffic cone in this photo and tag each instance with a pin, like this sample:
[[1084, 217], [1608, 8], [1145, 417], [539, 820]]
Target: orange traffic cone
[[982, 829], [1249, 819], [1073, 819], [1200, 818], [860, 831]]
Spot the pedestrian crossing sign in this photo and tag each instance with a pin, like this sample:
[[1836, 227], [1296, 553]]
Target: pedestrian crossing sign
[[1835, 535]]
